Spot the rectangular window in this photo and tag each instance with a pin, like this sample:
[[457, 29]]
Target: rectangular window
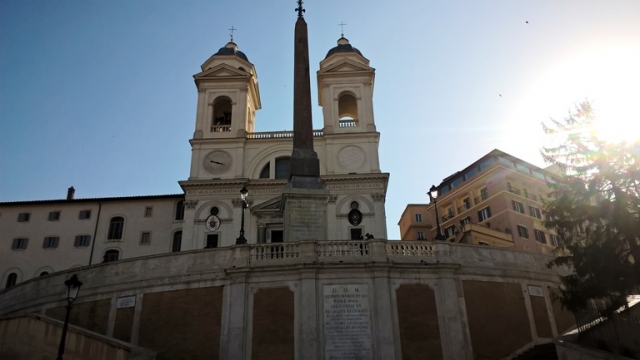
[[484, 194], [471, 173], [24, 217], [50, 242], [356, 234], [145, 238], [418, 217], [180, 210], [212, 241], [420, 235], [464, 222], [554, 240], [466, 203], [148, 211], [485, 164], [523, 232], [518, 206], [450, 231], [84, 214], [457, 182], [19, 244], [540, 237], [484, 214], [54, 215], [535, 212], [82, 240], [504, 161]]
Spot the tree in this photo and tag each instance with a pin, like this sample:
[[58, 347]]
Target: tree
[[595, 208]]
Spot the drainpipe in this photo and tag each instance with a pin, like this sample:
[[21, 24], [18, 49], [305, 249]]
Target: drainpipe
[[95, 232]]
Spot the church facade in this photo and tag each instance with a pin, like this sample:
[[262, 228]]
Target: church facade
[[41, 237]]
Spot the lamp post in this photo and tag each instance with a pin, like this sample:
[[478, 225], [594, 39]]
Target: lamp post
[[243, 196], [73, 287], [433, 194]]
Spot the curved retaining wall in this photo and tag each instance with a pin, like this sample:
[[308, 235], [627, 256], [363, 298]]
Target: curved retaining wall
[[375, 299]]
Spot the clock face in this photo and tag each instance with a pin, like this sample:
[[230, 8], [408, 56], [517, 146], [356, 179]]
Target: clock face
[[217, 162], [351, 157]]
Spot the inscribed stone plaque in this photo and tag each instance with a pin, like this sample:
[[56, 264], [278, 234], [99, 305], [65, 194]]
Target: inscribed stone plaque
[[347, 322], [305, 218]]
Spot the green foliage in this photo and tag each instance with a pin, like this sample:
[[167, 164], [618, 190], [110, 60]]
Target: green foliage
[[595, 208]]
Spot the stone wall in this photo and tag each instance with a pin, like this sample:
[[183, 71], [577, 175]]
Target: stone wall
[[37, 337], [270, 301]]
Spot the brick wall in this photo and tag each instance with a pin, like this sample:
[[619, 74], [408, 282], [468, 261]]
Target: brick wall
[[498, 321], [182, 324], [273, 324], [418, 322]]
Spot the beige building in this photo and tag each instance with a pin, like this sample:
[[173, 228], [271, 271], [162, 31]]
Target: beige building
[[41, 237], [497, 201]]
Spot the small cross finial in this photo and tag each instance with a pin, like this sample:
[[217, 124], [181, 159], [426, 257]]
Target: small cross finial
[[232, 30], [342, 24], [299, 9]]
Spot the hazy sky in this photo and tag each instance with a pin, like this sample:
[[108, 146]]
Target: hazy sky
[[100, 94]]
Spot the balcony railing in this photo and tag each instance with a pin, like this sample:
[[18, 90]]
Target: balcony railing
[[481, 198], [279, 134], [515, 190], [348, 123], [464, 207], [447, 216], [220, 128]]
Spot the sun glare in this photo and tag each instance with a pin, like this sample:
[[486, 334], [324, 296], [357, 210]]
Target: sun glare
[[607, 76]]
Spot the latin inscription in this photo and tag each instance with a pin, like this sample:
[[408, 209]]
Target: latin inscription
[[232, 191], [306, 218], [347, 322], [355, 186]]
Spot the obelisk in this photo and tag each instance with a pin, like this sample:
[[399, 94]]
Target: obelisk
[[304, 198]]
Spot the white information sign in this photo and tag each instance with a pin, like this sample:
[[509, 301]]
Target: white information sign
[[347, 322], [536, 291], [125, 302]]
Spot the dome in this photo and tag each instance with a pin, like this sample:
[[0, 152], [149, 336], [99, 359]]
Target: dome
[[232, 49], [343, 46]]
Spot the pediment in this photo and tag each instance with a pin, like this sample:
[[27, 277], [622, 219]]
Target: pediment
[[271, 205], [220, 71], [345, 65]]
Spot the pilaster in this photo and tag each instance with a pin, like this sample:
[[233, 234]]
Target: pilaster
[[452, 319]]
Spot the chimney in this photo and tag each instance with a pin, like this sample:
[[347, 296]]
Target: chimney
[[70, 193]]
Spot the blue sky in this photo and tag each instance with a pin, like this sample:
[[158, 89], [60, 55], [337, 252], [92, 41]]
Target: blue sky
[[100, 94]]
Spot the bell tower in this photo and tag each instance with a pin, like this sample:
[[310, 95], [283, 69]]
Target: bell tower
[[345, 90], [228, 97]]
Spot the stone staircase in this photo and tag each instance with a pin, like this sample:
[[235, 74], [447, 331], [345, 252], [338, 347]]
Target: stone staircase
[[539, 352]]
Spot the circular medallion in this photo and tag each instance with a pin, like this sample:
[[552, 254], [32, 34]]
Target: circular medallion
[[351, 157], [217, 162], [212, 223], [355, 217]]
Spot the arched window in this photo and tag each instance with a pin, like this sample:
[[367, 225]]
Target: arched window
[[266, 171], [348, 110], [176, 244], [180, 210], [44, 273], [110, 255], [221, 115], [116, 225], [11, 280], [283, 168]]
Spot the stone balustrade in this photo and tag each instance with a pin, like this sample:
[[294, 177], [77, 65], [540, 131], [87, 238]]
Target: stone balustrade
[[216, 265]]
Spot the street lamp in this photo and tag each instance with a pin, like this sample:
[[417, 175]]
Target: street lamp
[[243, 196], [73, 287], [433, 194]]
